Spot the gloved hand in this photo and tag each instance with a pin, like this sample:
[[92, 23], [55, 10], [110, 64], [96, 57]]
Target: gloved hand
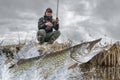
[[49, 24], [57, 20]]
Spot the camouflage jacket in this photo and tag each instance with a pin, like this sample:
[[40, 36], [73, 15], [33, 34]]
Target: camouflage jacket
[[43, 20]]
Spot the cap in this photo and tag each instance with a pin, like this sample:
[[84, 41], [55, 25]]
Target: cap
[[49, 10]]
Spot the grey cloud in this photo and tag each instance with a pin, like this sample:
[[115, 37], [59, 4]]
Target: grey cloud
[[81, 7], [24, 15], [107, 9], [13, 9], [113, 31], [3, 23], [37, 6]]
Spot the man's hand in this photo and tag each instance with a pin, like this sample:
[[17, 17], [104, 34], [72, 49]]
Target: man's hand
[[56, 20], [49, 24]]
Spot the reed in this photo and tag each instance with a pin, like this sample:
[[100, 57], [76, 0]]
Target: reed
[[108, 58]]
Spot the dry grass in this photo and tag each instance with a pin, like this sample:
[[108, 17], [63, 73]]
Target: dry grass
[[13, 46], [53, 47], [110, 57]]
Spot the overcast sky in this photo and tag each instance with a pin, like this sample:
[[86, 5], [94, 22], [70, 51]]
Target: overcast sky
[[79, 19]]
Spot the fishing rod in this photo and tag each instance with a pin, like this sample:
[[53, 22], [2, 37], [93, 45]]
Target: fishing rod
[[57, 8], [57, 11]]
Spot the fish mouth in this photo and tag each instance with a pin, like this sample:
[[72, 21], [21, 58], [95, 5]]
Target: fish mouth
[[84, 49]]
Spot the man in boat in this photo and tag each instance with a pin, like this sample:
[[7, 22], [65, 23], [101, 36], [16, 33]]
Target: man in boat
[[46, 25]]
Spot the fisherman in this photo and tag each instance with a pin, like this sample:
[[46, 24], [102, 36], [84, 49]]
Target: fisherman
[[48, 28]]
